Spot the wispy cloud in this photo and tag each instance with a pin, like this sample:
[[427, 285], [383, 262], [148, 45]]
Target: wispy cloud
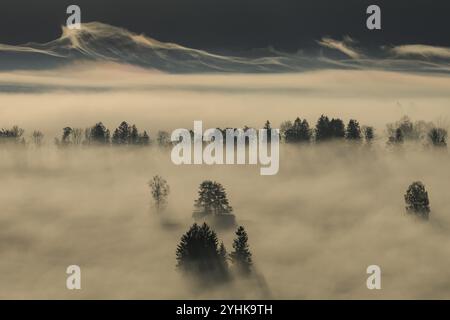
[[5, 47], [344, 46], [421, 50]]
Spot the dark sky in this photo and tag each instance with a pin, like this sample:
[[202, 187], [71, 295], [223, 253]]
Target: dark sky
[[236, 24]]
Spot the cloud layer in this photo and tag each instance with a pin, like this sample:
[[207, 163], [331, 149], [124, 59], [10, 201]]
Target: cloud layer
[[313, 229]]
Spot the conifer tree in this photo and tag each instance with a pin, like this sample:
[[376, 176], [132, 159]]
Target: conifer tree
[[298, 131], [337, 128], [353, 131], [98, 134], [241, 256], [199, 254], [322, 130], [369, 134]]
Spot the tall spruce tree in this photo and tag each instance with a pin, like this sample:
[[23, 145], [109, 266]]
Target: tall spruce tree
[[134, 138], [241, 256], [122, 134], [323, 130], [353, 131]]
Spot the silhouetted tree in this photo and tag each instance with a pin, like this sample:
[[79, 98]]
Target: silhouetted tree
[[397, 138], [212, 199], [13, 135], [285, 126], [241, 256], [65, 139], [160, 190], [268, 127], [122, 134], [407, 127], [70, 136], [337, 128], [163, 139], [37, 136], [438, 137], [135, 137], [77, 135], [323, 130], [223, 256], [98, 134], [298, 132], [369, 134], [353, 131], [410, 131], [129, 135], [143, 139], [199, 255], [417, 201]]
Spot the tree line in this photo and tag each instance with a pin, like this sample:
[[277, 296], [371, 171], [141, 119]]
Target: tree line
[[291, 132], [98, 134]]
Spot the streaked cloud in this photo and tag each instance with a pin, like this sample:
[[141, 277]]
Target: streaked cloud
[[421, 50], [344, 46]]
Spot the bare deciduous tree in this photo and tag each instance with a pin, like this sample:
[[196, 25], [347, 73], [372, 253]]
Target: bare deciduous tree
[[77, 136], [37, 136], [160, 190]]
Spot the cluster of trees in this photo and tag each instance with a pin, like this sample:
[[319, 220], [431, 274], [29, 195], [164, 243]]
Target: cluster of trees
[[125, 134], [200, 255], [211, 205], [15, 135], [199, 252], [299, 131], [129, 135], [406, 130], [327, 129]]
